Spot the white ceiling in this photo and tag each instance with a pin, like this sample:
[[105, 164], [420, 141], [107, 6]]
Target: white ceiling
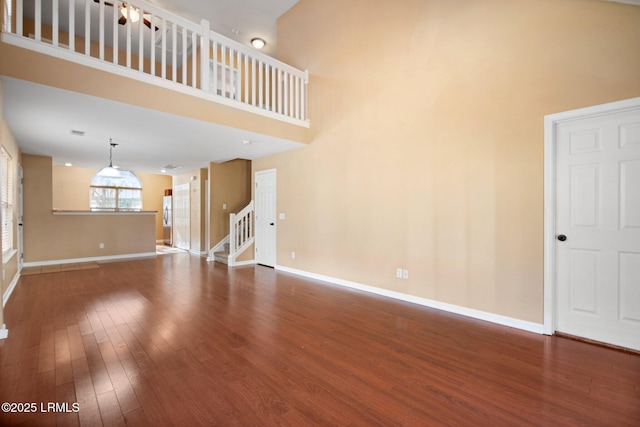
[[41, 118]]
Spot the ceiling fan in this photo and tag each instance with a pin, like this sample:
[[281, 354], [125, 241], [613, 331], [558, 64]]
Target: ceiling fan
[[135, 14]]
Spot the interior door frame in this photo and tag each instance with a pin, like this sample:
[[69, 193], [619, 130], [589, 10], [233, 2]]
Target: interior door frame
[[275, 196], [551, 123]]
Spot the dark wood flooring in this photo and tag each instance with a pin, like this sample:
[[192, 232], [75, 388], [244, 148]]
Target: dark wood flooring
[[177, 341]]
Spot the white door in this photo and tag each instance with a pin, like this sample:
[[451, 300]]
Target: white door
[[598, 228], [181, 216], [20, 219], [265, 215]]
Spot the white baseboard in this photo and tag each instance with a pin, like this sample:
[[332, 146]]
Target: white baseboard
[[10, 289], [451, 308], [199, 253], [89, 259], [4, 332]]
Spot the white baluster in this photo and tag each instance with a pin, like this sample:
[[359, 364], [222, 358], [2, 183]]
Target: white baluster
[[223, 53], [114, 25], [305, 88], [261, 83], [128, 25], [101, 31], [297, 97], [267, 87], [72, 25], [38, 20], [253, 81], [87, 27], [232, 233], [163, 72], [205, 63], [19, 18], [174, 56], [55, 23], [238, 82], [194, 45], [184, 55], [141, 41], [215, 67], [152, 45], [246, 80], [280, 91]]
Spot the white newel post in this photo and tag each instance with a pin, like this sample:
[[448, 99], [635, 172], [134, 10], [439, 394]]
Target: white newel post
[[232, 233], [204, 56]]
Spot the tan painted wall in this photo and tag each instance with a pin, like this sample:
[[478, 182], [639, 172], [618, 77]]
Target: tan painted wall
[[56, 237], [71, 191], [7, 141], [230, 185], [427, 149]]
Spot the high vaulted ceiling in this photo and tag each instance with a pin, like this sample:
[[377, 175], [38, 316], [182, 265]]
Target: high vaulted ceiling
[[240, 20], [42, 118]]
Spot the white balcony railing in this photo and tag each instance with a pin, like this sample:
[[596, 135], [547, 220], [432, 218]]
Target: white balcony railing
[[141, 41]]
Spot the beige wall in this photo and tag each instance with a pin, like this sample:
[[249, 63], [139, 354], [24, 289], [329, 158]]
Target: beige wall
[[230, 186], [427, 149], [50, 237], [10, 267], [71, 191]]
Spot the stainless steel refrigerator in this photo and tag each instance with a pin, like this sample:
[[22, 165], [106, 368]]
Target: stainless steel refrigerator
[[167, 221]]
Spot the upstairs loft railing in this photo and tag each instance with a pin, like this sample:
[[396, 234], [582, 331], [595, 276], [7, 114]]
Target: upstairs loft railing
[[141, 41]]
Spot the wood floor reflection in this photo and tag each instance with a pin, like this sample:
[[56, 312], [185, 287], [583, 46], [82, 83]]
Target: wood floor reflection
[[177, 341]]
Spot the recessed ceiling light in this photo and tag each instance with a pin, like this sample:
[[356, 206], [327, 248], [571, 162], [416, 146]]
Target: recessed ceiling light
[[258, 43], [235, 31], [163, 170], [68, 164], [246, 141]]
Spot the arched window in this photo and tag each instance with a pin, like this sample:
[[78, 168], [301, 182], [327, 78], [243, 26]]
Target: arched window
[[122, 193]]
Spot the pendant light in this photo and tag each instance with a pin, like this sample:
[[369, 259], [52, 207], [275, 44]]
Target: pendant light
[[110, 171]]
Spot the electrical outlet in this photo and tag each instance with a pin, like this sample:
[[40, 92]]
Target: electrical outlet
[[224, 206], [281, 215], [293, 254], [405, 274], [101, 245], [399, 273]]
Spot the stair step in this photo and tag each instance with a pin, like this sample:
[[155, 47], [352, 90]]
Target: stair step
[[222, 257]]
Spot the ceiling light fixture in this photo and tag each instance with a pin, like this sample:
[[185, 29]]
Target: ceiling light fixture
[[68, 164], [110, 171], [258, 43], [135, 13]]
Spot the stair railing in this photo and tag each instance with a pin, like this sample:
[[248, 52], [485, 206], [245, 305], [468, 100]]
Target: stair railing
[[241, 233]]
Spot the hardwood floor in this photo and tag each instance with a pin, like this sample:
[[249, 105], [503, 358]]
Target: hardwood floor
[[177, 341]]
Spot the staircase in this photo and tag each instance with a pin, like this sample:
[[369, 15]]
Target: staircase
[[222, 256], [240, 238]]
